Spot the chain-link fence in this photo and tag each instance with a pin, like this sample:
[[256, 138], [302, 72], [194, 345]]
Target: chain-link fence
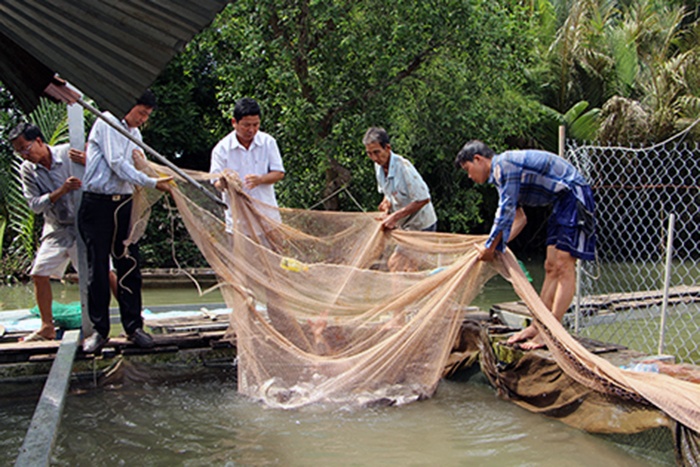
[[633, 294]]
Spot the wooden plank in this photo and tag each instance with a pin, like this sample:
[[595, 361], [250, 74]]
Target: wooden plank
[[615, 302], [202, 322], [646, 303], [598, 347], [690, 293], [518, 308], [13, 352], [203, 337], [41, 435]]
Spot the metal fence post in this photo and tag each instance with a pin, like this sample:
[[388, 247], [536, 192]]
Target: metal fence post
[[577, 307], [667, 280], [577, 302]]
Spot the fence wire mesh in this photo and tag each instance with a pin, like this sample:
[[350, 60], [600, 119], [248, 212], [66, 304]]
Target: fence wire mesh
[[622, 292]]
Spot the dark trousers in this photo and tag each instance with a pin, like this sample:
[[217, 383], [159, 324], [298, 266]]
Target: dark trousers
[[103, 221]]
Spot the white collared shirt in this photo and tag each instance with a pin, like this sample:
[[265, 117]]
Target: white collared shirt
[[110, 165], [261, 158]]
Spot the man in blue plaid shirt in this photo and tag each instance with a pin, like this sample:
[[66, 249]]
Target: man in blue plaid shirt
[[537, 178]]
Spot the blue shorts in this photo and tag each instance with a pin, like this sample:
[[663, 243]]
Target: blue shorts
[[571, 227]]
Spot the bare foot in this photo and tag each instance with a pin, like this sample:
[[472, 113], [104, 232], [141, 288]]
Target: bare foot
[[532, 344], [527, 333]]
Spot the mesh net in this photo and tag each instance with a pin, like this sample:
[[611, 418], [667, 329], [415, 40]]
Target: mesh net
[[636, 191], [65, 315], [328, 308]]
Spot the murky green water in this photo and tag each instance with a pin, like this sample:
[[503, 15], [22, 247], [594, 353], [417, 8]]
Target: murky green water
[[22, 296], [203, 421], [189, 416]]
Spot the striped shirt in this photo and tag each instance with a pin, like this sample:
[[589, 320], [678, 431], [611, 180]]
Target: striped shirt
[[529, 178], [109, 169], [402, 186], [38, 183]]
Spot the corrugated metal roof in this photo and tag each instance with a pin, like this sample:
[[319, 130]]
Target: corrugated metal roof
[[111, 50]]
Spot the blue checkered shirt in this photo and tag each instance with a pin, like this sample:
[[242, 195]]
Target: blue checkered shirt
[[528, 178]]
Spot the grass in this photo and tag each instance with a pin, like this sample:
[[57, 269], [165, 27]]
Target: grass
[[680, 337]]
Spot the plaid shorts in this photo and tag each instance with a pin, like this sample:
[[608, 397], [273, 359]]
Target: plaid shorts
[[571, 226]]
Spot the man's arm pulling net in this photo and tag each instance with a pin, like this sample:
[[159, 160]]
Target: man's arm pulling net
[[319, 317]]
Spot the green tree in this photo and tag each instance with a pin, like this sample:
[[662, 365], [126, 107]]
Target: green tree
[[435, 74], [9, 118], [187, 121], [636, 60], [668, 54]]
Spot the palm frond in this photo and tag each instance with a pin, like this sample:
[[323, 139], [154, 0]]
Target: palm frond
[[585, 126], [21, 219], [575, 112], [3, 224], [52, 119]]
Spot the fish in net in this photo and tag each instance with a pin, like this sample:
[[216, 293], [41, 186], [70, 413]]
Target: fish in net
[[328, 308]]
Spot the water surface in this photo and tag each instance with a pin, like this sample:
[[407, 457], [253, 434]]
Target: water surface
[[203, 421], [156, 414]]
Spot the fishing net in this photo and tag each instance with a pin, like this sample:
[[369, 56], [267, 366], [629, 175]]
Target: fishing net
[[329, 308]]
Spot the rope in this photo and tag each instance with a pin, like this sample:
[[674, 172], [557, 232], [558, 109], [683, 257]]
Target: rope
[[354, 200], [342, 188], [326, 198], [180, 270]]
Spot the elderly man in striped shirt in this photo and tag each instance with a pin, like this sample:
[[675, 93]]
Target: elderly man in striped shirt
[[537, 178]]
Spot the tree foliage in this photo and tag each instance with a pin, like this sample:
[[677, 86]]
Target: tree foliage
[[9, 118], [434, 73], [607, 52]]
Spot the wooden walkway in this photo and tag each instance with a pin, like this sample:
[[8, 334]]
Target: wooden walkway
[[206, 330], [15, 352], [203, 332], [170, 277], [170, 335], [516, 313]]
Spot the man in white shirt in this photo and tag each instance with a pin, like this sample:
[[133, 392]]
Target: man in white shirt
[[104, 223], [251, 153]]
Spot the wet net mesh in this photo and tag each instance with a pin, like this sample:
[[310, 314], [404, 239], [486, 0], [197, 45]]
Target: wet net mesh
[[328, 308]]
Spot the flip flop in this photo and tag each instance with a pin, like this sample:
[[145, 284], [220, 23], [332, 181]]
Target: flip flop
[[34, 337]]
